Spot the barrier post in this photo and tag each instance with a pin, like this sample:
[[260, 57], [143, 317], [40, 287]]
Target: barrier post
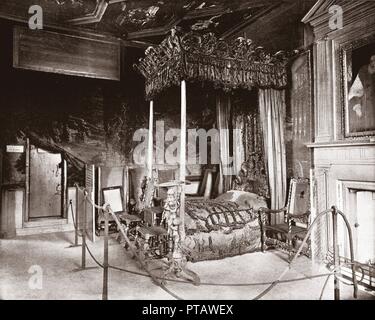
[[336, 258], [83, 263], [76, 219], [105, 259], [75, 224], [83, 230]]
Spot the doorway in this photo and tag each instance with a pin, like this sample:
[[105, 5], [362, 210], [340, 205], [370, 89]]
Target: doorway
[[46, 194]]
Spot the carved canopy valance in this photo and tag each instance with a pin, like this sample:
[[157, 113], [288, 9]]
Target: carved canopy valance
[[228, 65]]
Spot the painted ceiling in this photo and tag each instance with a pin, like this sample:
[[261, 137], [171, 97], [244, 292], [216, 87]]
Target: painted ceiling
[[143, 19]]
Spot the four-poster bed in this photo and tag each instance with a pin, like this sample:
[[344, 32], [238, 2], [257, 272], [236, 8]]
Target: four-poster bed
[[204, 225]]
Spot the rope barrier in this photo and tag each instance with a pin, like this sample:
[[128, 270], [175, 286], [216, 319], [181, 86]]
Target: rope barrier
[[74, 222], [207, 284], [334, 211], [324, 287], [93, 257], [225, 284], [272, 284], [107, 207], [262, 294], [201, 283]]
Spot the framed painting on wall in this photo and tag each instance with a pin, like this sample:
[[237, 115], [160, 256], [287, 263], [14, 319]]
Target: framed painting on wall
[[358, 87]]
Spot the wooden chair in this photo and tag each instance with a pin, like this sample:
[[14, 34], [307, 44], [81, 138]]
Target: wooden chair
[[151, 238], [293, 229], [205, 187], [114, 197]]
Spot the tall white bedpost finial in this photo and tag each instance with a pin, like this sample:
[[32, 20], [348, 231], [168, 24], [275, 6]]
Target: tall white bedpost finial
[[183, 156], [150, 144]]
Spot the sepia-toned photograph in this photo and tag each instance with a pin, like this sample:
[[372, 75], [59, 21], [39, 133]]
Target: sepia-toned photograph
[[213, 152]]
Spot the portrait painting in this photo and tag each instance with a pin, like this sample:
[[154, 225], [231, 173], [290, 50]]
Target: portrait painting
[[359, 88]]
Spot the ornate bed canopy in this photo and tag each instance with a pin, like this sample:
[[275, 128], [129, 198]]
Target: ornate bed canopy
[[228, 65]]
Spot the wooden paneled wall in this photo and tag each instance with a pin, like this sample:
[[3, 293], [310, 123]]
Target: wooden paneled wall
[[358, 22], [324, 91], [67, 54], [299, 129], [336, 158]]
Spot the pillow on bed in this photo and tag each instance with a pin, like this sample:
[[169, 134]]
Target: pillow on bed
[[244, 199]]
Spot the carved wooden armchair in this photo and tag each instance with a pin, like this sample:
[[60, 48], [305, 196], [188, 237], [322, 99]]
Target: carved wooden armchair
[[289, 234]]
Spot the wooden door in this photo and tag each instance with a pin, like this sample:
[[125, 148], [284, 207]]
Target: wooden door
[[46, 187]]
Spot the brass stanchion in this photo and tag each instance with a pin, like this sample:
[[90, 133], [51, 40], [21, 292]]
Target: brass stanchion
[[75, 224], [75, 228], [83, 235], [351, 247], [105, 261], [336, 261], [83, 261]]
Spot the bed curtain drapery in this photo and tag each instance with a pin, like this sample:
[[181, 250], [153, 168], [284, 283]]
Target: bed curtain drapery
[[272, 115], [254, 153], [223, 111], [239, 142]]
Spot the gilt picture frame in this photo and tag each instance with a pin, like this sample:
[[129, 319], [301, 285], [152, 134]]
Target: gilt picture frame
[[357, 62]]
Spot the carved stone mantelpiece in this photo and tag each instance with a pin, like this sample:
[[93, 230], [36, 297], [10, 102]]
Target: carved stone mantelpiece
[[332, 166], [345, 155]]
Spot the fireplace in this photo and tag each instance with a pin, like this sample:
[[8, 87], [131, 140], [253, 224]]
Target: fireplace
[[357, 200], [344, 176]]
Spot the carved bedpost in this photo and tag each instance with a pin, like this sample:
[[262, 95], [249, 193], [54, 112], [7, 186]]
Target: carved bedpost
[[172, 217], [262, 216]]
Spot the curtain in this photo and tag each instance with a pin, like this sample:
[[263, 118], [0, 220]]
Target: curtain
[[255, 157], [248, 151], [223, 109], [238, 123], [272, 115]]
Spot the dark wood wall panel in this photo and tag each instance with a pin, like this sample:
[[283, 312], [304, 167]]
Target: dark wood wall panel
[[300, 117], [66, 54]]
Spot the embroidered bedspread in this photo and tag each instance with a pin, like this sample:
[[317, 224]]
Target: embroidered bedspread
[[221, 228]]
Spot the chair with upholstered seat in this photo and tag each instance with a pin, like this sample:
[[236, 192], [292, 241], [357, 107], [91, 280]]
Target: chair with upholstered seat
[[289, 234]]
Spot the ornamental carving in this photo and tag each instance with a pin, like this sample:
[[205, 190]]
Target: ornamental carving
[[228, 65]]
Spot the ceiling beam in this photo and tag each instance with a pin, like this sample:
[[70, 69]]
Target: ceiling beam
[[221, 9], [136, 44], [93, 17], [249, 21], [153, 32], [97, 15], [197, 14]]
